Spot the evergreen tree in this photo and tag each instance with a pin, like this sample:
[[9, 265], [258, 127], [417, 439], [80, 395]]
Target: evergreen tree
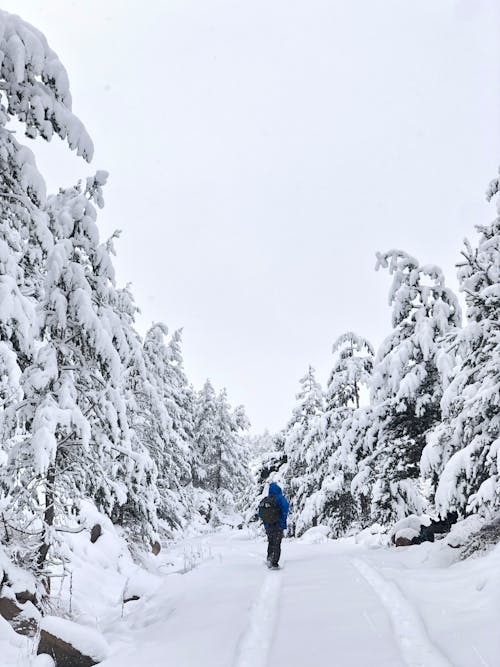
[[351, 371], [221, 462], [33, 89], [138, 512], [463, 453], [406, 388], [230, 467], [87, 410], [304, 442], [204, 432], [357, 435], [165, 432], [180, 403], [77, 441], [331, 502]]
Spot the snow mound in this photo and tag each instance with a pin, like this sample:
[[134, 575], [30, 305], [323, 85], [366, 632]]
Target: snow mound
[[86, 640], [409, 527], [43, 660], [407, 533], [373, 536], [462, 531], [315, 535]]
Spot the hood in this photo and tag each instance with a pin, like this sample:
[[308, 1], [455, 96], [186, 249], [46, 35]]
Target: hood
[[274, 489]]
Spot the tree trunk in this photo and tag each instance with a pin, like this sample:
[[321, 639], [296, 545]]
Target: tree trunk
[[48, 515]]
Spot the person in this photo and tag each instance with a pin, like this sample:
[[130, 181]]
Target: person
[[274, 519]]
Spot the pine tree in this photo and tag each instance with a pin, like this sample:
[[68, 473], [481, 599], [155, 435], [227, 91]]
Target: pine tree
[[34, 90], [23, 237], [463, 453], [180, 403], [221, 461], [164, 432], [138, 514], [231, 465], [204, 431], [352, 370], [77, 441], [406, 388], [87, 411], [305, 440], [358, 436], [331, 502]]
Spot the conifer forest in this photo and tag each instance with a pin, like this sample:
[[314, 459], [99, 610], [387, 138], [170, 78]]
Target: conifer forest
[[129, 491]]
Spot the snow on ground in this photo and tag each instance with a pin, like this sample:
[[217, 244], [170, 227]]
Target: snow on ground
[[209, 600]]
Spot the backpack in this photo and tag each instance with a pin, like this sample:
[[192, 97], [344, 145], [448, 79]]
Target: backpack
[[269, 511]]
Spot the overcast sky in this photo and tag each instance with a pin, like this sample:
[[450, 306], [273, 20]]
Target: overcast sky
[[261, 151]]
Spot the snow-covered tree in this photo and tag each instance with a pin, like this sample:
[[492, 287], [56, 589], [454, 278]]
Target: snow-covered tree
[[35, 87], [24, 236], [331, 501], [34, 90], [304, 443], [357, 435], [76, 442], [87, 411], [165, 434], [221, 460], [138, 512], [230, 469], [180, 403], [204, 432], [351, 371], [463, 453], [407, 386]]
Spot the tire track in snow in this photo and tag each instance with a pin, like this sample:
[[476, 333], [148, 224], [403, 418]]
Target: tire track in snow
[[417, 648], [255, 643]]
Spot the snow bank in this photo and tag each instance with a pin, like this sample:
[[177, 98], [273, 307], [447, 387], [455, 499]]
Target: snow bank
[[373, 536], [86, 640], [315, 535], [462, 531]]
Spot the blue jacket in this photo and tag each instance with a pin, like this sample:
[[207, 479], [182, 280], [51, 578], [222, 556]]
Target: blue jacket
[[281, 502]]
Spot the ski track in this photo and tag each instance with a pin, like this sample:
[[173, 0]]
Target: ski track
[[255, 643], [416, 647]]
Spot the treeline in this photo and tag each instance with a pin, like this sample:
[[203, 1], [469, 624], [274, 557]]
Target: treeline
[[415, 426], [88, 408]]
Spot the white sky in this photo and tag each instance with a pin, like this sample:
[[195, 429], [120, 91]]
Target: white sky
[[261, 151]]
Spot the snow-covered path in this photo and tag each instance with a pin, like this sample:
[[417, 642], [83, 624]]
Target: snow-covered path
[[330, 600], [328, 609], [209, 601]]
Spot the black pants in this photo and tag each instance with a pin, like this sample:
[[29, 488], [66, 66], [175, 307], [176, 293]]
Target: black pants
[[274, 537]]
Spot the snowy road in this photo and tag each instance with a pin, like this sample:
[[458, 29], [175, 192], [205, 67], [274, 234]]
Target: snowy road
[[329, 600]]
